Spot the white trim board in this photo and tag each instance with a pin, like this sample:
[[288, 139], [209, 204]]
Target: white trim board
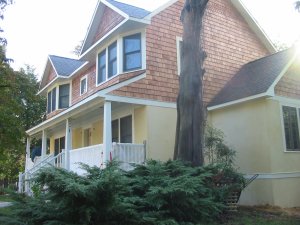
[[139, 101], [279, 175], [235, 102]]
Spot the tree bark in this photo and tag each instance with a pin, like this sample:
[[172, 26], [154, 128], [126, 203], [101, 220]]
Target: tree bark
[[189, 140]]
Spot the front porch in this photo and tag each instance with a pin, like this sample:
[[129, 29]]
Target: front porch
[[91, 136]]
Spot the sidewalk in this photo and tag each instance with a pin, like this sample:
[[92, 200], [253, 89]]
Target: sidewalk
[[5, 204]]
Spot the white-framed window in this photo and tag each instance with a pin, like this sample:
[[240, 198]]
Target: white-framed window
[[125, 54], [58, 98], [132, 52], [107, 63], [51, 100], [122, 129], [83, 85], [179, 55], [290, 119]]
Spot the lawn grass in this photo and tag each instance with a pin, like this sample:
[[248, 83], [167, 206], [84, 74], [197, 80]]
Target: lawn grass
[[257, 216]]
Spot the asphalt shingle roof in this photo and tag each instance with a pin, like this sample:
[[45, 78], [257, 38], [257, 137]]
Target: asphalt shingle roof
[[130, 10], [254, 78], [65, 66]]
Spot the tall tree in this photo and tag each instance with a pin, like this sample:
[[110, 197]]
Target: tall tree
[[190, 108], [20, 109]]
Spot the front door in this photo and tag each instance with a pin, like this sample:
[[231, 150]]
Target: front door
[[59, 145]]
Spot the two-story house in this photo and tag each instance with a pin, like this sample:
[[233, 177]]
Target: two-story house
[[118, 100]]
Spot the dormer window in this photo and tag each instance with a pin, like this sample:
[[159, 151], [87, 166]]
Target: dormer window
[[60, 95], [83, 85], [132, 52]]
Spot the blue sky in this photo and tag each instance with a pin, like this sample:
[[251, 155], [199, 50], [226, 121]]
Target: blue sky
[[34, 28]]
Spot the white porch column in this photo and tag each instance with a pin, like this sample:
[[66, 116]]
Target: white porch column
[[107, 136], [44, 144], [27, 152], [68, 144]]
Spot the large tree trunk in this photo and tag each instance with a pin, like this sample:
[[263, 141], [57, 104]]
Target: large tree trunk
[[190, 112]]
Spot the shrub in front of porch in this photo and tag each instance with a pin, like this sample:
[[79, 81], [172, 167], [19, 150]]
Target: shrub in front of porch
[[157, 193]]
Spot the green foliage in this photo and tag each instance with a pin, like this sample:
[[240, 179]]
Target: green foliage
[[20, 109], [170, 193], [216, 150]]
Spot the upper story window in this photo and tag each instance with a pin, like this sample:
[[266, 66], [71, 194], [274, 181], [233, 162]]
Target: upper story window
[[64, 96], [123, 55], [291, 128], [51, 100], [83, 85], [101, 67], [112, 60], [132, 54], [60, 95]]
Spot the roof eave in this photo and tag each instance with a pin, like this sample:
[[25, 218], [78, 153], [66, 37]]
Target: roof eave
[[239, 101]]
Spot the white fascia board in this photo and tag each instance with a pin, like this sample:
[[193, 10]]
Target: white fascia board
[[44, 88], [145, 21], [103, 92], [279, 175], [103, 38], [60, 117], [139, 101], [159, 9], [53, 66], [79, 69], [115, 9], [265, 94], [284, 70], [254, 25], [45, 67], [66, 114], [90, 26]]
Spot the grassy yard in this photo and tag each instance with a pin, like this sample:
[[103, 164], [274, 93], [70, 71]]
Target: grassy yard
[[263, 216], [5, 198]]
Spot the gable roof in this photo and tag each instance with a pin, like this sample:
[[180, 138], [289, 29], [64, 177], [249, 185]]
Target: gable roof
[[130, 10], [131, 14], [257, 78], [65, 66]]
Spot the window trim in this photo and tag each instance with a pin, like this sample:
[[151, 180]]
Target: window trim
[[56, 87], [178, 50], [281, 105], [120, 60], [86, 84]]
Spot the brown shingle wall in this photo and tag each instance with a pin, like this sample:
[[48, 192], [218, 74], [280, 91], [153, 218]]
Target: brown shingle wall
[[289, 85], [109, 20], [92, 88], [50, 77], [228, 41]]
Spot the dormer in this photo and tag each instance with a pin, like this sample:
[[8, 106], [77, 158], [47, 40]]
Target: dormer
[[56, 82]]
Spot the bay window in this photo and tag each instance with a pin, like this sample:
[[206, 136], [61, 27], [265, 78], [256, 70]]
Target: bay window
[[101, 67], [112, 60], [63, 98]]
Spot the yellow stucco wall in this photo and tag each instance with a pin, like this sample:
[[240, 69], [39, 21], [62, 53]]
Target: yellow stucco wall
[[97, 132], [52, 145], [76, 138], [254, 129], [161, 123], [140, 125]]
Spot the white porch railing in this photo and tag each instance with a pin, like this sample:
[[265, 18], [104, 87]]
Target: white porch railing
[[92, 156], [128, 154]]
